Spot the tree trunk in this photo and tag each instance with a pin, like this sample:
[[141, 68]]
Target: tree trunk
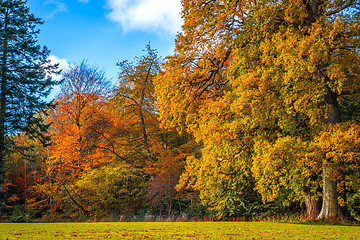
[[313, 206], [3, 104], [330, 208], [145, 137], [79, 205], [146, 144]]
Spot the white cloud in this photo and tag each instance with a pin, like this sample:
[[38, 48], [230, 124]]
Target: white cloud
[[63, 65], [147, 15]]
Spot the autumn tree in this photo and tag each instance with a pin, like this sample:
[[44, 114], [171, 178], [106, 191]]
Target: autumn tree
[[108, 145], [80, 103], [135, 97], [136, 136], [25, 75], [304, 73], [290, 77], [190, 93]]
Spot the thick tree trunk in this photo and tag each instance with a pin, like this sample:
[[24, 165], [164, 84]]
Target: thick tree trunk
[[313, 206], [330, 208]]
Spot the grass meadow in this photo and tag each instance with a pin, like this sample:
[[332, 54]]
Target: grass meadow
[[177, 230]]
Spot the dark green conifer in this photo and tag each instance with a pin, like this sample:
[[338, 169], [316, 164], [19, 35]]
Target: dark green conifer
[[25, 76]]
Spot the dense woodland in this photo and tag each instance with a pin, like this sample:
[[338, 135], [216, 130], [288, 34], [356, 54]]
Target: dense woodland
[[255, 115]]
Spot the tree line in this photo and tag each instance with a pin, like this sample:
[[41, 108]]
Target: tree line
[[255, 114]]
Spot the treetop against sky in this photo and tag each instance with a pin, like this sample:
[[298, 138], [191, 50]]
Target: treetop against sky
[[106, 31]]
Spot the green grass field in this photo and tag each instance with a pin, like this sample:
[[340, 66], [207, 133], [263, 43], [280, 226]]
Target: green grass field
[[177, 230]]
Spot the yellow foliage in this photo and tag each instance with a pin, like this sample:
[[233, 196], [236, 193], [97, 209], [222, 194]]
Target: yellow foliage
[[263, 80]]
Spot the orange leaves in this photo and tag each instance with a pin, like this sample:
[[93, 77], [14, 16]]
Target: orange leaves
[[80, 105]]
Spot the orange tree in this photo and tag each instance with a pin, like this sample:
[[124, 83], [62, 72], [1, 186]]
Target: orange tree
[[259, 84], [79, 104]]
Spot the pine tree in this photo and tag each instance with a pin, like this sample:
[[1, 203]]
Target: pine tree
[[25, 80]]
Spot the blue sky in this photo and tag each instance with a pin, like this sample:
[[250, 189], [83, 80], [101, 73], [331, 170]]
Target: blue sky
[[105, 32]]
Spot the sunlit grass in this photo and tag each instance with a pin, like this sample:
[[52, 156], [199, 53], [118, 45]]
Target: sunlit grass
[[177, 230]]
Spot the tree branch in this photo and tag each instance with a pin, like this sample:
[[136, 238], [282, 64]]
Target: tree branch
[[346, 93], [349, 4], [112, 150]]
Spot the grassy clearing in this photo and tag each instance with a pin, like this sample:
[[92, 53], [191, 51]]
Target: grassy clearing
[[177, 230]]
